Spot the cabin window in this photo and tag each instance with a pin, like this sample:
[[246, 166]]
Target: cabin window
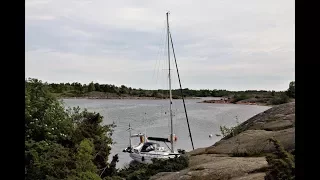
[[148, 147]]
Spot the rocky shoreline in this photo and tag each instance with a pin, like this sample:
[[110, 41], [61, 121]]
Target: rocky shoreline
[[227, 101], [242, 156]]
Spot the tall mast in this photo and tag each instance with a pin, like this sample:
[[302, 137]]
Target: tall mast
[[170, 93], [184, 104]]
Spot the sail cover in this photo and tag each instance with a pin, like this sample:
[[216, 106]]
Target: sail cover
[[158, 139]]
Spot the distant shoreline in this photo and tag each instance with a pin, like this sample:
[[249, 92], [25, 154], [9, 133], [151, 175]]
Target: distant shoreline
[[126, 98], [262, 101], [229, 102], [213, 101], [249, 101]]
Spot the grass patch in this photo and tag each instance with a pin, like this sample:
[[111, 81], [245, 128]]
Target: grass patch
[[249, 153], [246, 154]]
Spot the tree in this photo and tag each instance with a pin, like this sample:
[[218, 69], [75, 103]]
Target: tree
[[123, 89], [113, 89], [91, 87], [112, 170], [291, 91], [45, 160], [84, 157], [85, 168], [89, 126], [45, 118], [97, 87], [61, 143]]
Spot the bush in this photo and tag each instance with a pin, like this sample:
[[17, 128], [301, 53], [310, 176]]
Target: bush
[[240, 97], [263, 100], [225, 131], [175, 97], [145, 171], [230, 132], [281, 163], [283, 98]]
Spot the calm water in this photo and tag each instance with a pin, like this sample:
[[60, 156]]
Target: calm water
[[152, 117]]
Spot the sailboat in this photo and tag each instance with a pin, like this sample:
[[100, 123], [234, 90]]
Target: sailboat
[[147, 150]]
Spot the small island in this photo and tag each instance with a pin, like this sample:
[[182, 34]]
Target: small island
[[258, 97]]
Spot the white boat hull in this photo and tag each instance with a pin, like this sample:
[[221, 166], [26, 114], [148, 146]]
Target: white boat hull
[[145, 158]]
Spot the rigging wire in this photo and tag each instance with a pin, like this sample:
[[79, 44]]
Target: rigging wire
[[158, 57], [162, 50]]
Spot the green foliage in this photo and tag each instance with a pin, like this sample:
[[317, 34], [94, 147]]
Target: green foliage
[[283, 98], [46, 160], [85, 175], [85, 168], [112, 170], [281, 163], [91, 87], [77, 90], [225, 130], [123, 90], [145, 171], [45, 118], [157, 95], [84, 157], [97, 87], [61, 143], [291, 91], [230, 132], [89, 126], [240, 97], [113, 178], [250, 152]]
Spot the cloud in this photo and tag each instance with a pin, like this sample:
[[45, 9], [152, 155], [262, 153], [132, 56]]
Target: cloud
[[219, 44]]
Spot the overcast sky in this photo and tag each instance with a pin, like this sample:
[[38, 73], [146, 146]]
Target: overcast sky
[[219, 44]]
